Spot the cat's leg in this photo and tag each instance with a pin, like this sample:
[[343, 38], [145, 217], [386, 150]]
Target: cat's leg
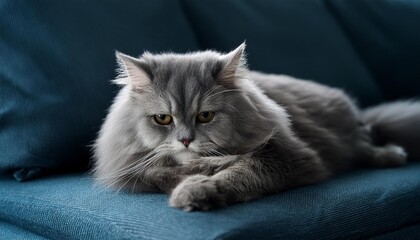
[[154, 179], [209, 165], [201, 192], [248, 178], [166, 178]]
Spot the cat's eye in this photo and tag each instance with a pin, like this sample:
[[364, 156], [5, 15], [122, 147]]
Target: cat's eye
[[205, 117], [163, 119]]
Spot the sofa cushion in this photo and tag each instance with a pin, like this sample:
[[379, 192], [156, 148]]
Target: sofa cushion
[[405, 233], [11, 231], [287, 37], [361, 204], [56, 63]]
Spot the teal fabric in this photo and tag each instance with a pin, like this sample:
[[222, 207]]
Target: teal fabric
[[385, 34], [406, 233], [287, 37], [56, 63], [11, 231], [359, 205]]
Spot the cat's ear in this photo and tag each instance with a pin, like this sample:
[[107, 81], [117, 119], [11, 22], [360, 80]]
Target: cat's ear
[[234, 66], [132, 71]]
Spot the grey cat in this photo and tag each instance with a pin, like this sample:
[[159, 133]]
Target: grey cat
[[203, 128]]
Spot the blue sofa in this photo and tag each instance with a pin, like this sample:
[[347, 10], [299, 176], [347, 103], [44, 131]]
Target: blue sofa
[[56, 63]]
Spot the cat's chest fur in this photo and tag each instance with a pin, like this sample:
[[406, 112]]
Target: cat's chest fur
[[180, 157]]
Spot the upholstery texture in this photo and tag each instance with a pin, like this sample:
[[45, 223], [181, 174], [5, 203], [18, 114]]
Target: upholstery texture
[[10, 231], [361, 204], [405, 233], [56, 63]]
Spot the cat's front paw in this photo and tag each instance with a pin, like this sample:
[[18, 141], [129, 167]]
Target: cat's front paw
[[197, 192]]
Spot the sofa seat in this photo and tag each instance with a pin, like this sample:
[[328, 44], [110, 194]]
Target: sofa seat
[[379, 203], [11, 231]]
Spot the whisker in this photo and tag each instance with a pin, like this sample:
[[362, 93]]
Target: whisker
[[142, 167]]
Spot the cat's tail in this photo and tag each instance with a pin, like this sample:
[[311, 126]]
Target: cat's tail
[[398, 123]]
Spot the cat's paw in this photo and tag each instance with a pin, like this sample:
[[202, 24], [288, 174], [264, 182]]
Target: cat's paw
[[390, 155], [395, 155], [197, 192]]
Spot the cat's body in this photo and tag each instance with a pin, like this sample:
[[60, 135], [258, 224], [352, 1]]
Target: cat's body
[[328, 121], [206, 130]]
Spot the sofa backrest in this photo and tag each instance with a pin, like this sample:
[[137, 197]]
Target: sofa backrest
[[57, 58], [369, 48]]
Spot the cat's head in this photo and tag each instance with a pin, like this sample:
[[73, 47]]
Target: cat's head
[[195, 104]]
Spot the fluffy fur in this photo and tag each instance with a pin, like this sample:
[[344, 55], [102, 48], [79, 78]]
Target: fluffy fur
[[269, 132]]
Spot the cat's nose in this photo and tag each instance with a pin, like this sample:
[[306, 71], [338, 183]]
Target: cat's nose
[[186, 141]]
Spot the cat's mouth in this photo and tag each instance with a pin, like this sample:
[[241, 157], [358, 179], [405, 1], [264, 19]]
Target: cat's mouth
[[196, 151]]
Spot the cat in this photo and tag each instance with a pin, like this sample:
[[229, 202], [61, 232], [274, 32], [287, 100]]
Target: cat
[[208, 131]]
